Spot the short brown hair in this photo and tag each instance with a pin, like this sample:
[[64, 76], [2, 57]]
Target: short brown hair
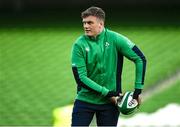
[[94, 11]]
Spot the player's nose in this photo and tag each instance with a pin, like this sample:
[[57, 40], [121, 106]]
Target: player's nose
[[85, 25]]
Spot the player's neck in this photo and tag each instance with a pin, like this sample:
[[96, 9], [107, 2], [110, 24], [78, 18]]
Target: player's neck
[[100, 31]]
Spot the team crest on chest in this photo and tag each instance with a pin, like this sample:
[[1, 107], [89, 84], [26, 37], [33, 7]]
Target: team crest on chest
[[87, 49], [107, 44]]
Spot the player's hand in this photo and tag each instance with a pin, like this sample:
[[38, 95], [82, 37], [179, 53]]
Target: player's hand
[[116, 99], [137, 96], [138, 100]]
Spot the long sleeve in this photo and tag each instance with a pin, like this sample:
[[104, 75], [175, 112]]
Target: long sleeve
[[78, 60], [132, 52]]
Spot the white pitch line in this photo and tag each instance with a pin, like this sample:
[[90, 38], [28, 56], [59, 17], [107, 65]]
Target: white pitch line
[[162, 85]]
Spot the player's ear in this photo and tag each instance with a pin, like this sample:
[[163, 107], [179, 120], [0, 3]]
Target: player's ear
[[101, 23]]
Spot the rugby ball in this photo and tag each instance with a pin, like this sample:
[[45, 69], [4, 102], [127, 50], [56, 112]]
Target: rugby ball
[[125, 105]]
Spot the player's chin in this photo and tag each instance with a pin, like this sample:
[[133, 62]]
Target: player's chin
[[88, 34]]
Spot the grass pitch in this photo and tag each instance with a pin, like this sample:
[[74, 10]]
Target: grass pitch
[[35, 68]]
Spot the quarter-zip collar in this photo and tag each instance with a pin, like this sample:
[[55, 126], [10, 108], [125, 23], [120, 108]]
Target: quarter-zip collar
[[97, 38]]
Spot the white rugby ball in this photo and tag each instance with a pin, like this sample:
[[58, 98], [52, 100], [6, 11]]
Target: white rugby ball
[[126, 105]]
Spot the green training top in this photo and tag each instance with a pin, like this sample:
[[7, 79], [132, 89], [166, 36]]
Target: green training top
[[97, 65]]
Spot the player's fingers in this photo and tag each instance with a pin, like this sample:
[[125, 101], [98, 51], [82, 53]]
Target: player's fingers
[[120, 94], [139, 101]]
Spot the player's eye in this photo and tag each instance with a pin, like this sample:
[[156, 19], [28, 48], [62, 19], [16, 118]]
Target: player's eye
[[89, 22]]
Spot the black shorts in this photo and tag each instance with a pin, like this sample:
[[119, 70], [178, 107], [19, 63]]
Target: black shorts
[[83, 112]]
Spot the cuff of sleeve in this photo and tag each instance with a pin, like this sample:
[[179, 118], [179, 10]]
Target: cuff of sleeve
[[104, 91], [137, 92], [111, 94]]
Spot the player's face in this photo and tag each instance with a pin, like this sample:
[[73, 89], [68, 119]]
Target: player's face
[[92, 26]]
